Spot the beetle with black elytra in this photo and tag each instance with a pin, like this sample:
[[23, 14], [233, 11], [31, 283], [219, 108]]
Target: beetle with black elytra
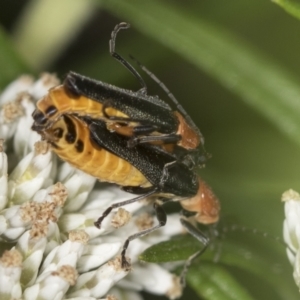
[[141, 117]]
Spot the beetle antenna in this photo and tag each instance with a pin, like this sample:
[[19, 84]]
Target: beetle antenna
[[169, 94], [120, 59]]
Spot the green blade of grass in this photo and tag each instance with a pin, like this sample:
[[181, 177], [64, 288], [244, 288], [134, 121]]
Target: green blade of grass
[[213, 282], [259, 81], [39, 39], [11, 64], [290, 6]]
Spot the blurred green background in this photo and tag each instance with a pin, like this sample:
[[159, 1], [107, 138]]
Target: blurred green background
[[235, 67]]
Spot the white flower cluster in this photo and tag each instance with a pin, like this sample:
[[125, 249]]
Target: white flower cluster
[[47, 214], [291, 230]]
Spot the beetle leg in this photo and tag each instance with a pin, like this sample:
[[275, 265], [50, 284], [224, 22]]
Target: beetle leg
[[126, 120], [119, 204], [201, 237], [129, 130], [137, 189], [107, 104], [144, 129], [165, 139], [120, 59], [162, 220]]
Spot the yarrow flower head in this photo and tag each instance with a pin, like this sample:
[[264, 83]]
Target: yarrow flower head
[[47, 214], [291, 230]]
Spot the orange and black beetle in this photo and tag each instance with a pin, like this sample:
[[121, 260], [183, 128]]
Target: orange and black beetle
[[146, 170], [141, 117]]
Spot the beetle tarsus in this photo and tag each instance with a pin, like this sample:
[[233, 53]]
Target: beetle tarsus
[[125, 264]]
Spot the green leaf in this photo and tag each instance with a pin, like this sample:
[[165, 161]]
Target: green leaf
[[259, 258], [179, 248], [258, 80], [11, 64], [213, 282], [290, 6]]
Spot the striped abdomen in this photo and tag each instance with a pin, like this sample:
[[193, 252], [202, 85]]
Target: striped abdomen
[[70, 140]]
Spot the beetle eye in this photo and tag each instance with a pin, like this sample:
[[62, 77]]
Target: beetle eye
[[39, 117]]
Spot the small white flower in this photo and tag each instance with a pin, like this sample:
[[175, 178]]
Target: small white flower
[[41, 87], [66, 254], [296, 272], [291, 230], [96, 255], [78, 184], [155, 279], [24, 137], [3, 177], [97, 283], [31, 174], [10, 273], [32, 248], [52, 285], [10, 114], [16, 107], [20, 85], [45, 207], [291, 224]]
